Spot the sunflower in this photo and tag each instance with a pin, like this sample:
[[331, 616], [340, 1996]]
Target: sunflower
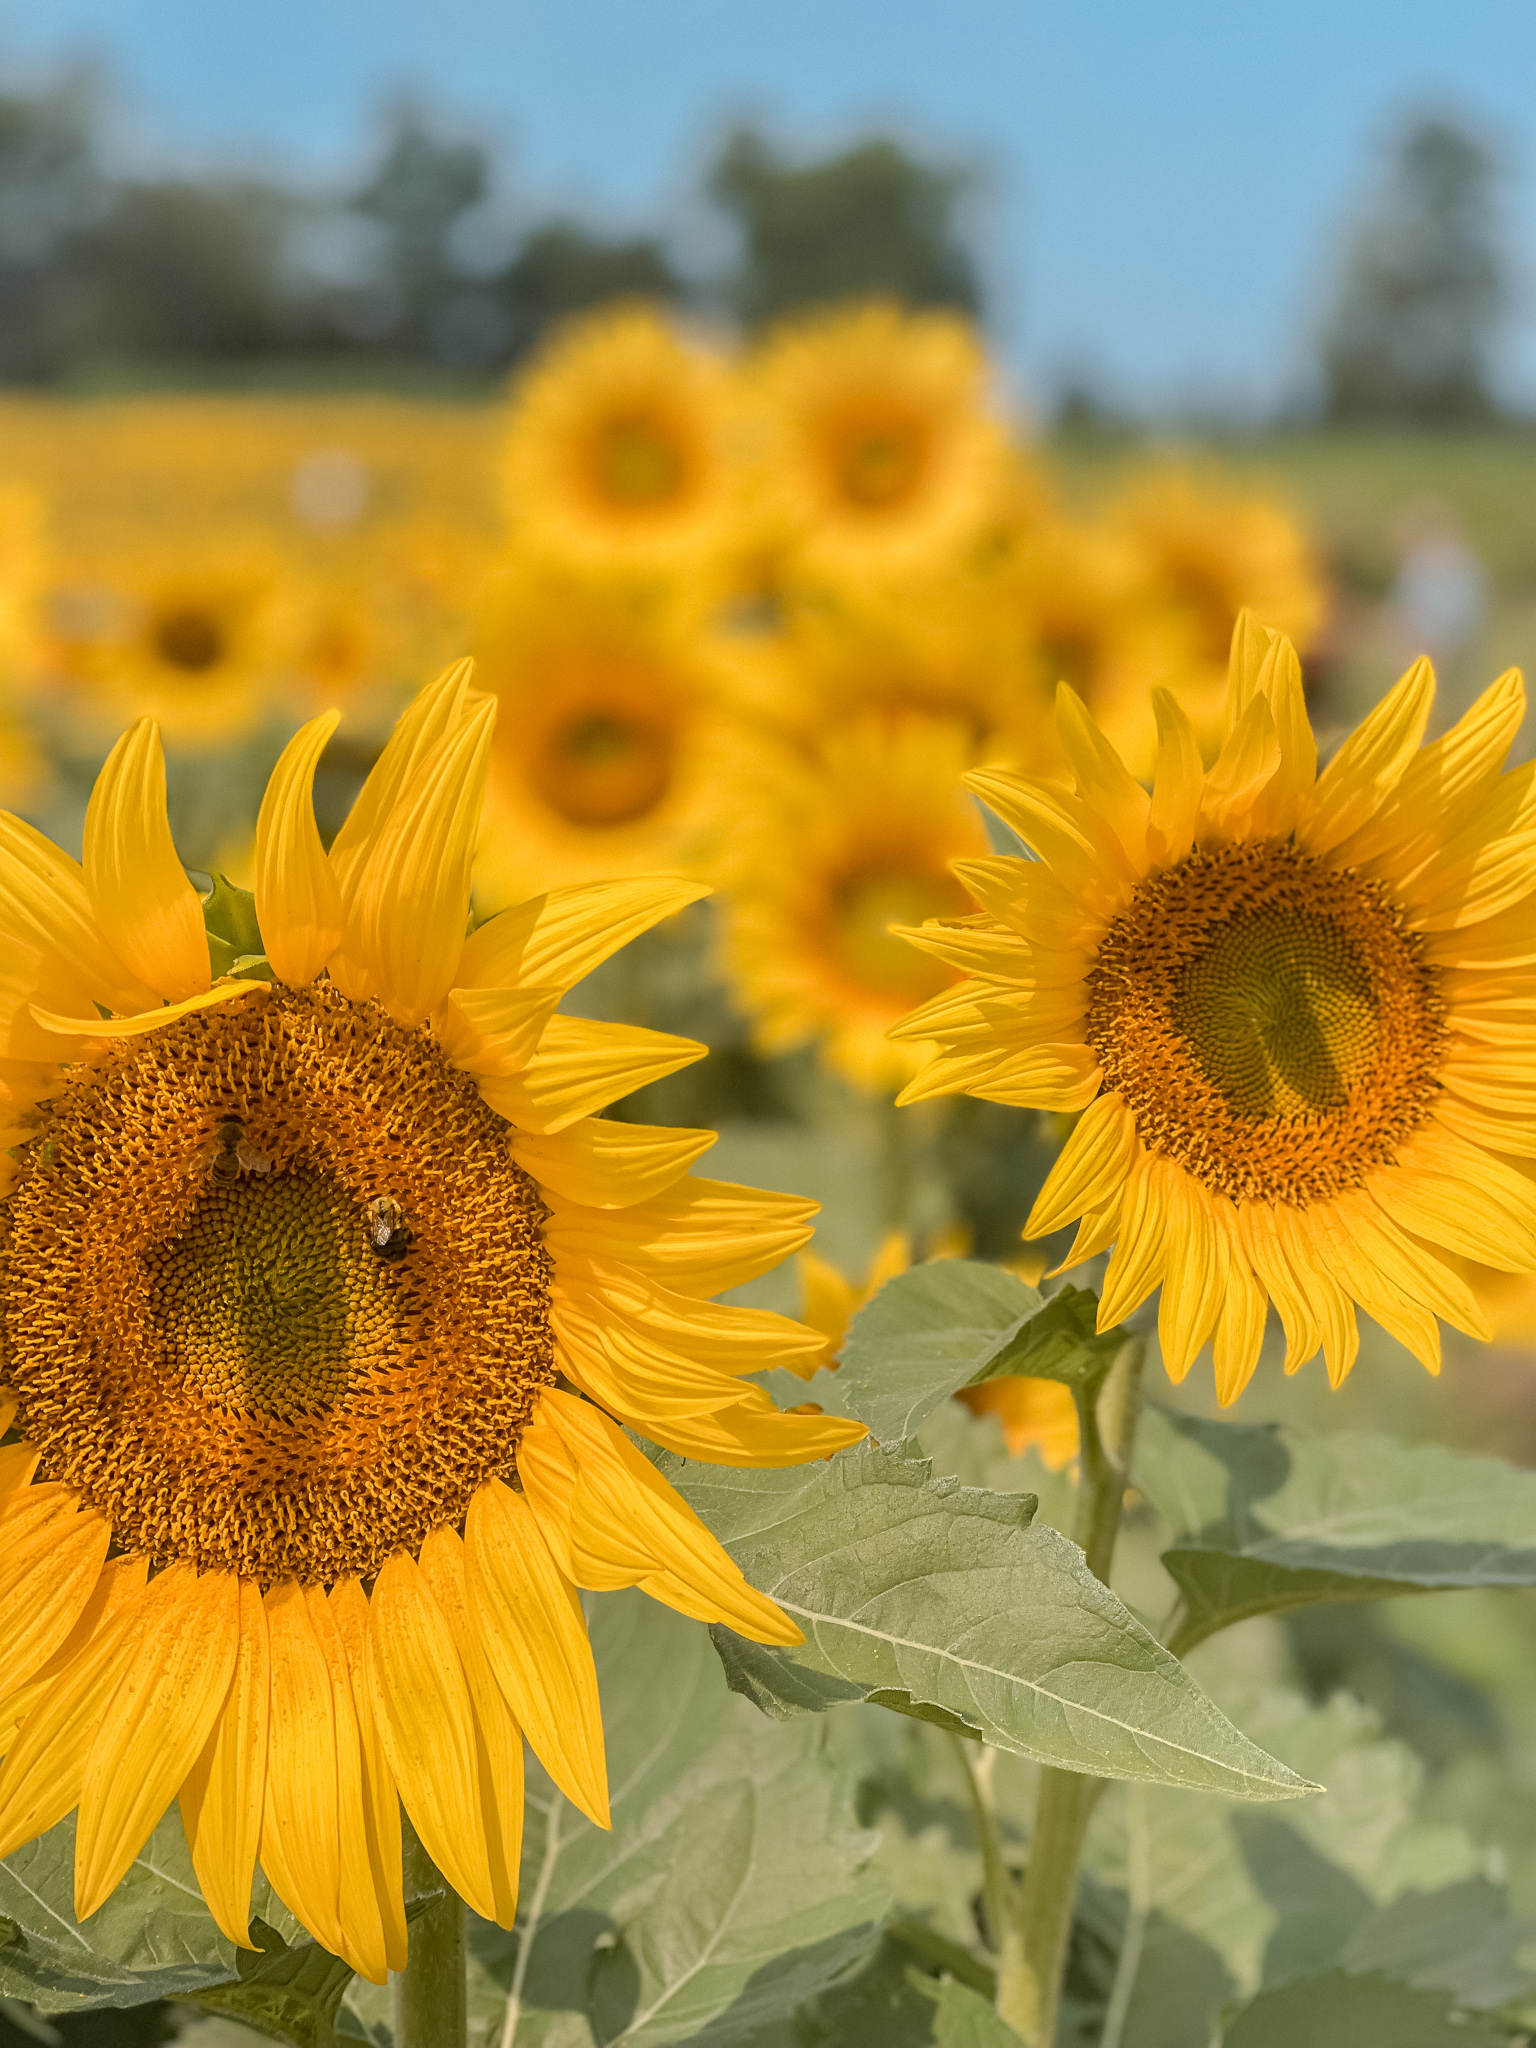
[[1084, 608], [1034, 1414], [618, 446], [195, 643], [1294, 1009], [23, 641], [614, 740], [875, 448], [869, 652], [1212, 552], [325, 1288], [828, 853]]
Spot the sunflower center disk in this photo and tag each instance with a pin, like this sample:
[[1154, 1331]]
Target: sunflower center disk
[[1270, 1021], [277, 1300]]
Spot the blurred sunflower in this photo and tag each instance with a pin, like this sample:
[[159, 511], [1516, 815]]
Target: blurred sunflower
[[828, 852], [1297, 1011], [874, 446], [191, 639], [617, 453], [23, 641], [1034, 1414], [614, 748], [1081, 601], [1213, 552], [299, 1273], [942, 652]]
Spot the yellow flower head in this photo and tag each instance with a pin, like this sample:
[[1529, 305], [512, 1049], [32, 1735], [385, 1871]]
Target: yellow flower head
[[303, 1266], [1034, 1414], [1212, 552], [613, 742], [194, 643], [1295, 1010], [876, 449], [617, 451], [827, 854]]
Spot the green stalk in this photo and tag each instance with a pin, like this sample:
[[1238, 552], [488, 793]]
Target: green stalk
[[431, 1995], [897, 1162], [1034, 1957]]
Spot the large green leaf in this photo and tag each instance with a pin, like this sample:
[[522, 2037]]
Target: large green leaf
[[289, 1994], [1341, 2011], [734, 1885], [941, 1600], [1266, 1518], [943, 1326]]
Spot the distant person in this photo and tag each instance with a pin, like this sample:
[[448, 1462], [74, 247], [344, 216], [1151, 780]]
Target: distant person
[[1440, 594]]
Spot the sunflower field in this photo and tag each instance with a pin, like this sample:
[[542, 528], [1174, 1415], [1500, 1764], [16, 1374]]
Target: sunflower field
[[730, 1092]]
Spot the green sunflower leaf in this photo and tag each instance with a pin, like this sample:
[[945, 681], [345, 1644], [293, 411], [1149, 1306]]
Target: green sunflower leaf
[[735, 1883], [947, 1325], [229, 915], [942, 1601], [1266, 1518], [1338, 2010]]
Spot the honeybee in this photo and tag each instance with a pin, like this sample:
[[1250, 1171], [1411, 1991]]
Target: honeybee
[[385, 1227]]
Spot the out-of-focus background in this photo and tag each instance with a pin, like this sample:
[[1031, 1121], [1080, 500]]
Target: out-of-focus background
[[777, 402]]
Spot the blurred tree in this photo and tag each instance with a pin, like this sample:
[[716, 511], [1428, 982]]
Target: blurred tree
[[52, 189], [563, 267], [873, 220], [424, 182], [1412, 333]]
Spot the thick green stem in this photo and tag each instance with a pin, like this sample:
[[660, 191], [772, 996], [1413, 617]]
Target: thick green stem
[[997, 1884], [1034, 1957], [431, 1999]]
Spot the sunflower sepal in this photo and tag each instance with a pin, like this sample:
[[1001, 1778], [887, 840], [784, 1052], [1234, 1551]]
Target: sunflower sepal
[[956, 1323], [235, 943]]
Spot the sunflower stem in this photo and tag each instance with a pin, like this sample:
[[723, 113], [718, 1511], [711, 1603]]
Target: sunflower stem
[[1034, 1951], [896, 1134], [431, 1995]]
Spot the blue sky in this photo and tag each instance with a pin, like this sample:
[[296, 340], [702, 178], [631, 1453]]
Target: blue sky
[[1167, 177]]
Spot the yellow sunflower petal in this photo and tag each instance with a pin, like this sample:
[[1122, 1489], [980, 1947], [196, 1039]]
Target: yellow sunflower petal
[[1194, 1273], [989, 954], [493, 1030], [435, 712], [1082, 850], [41, 1777], [1266, 1254], [1370, 764], [171, 1692], [1091, 1166], [530, 1627], [498, 1739], [1095, 1234], [1177, 783], [1103, 780], [697, 1237], [609, 1165], [421, 1699], [1136, 1263], [45, 1586], [146, 1020], [381, 1802], [1239, 1333], [44, 903], [122, 1580], [298, 899], [407, 911], [300, 1818], [556, 940], [357, 1902], [1243, 772], [625, 1526], [1453, 773], [580, 1067], [754, 1432], [223, 1795], [139, 891], [1334, 1309]]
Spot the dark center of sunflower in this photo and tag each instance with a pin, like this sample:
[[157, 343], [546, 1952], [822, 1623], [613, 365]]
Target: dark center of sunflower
[[189, 639], [605, 764], [867, 903], [638, 462], [273, 1294], [1271, 1022]]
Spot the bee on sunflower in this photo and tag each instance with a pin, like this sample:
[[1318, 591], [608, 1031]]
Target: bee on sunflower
[[830, 851], [619, 444], [1292, 1011], [325, 1289], [875, 449]]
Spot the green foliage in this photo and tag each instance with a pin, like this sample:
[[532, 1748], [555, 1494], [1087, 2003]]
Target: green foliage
[[942, 1601], [949, 1324], [1267, 1518], [872, 221], [235, 944], [1340, 2011]]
